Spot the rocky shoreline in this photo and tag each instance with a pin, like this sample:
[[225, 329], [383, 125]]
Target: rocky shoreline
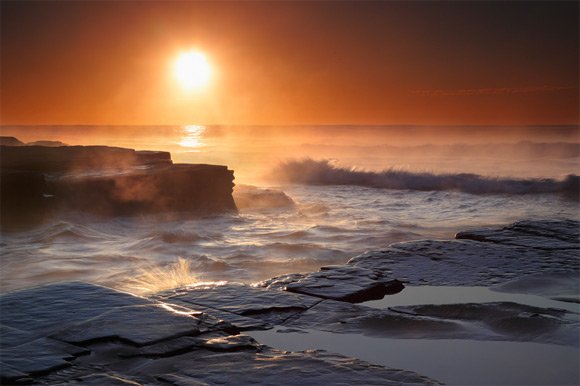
[[39, 181], [80, 333]]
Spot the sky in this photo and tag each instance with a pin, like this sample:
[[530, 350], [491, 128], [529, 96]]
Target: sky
[[287, 63]]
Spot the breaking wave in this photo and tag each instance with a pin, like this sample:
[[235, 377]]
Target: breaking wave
[[324, 172]]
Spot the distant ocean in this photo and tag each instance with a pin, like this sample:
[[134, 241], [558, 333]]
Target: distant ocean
[[354, 188]]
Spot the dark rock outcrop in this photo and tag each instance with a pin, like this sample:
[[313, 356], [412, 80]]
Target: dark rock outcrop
[[13, 141], [71, 159], [23, 199], [47, 143], [200, 189], [39, 181], [10, 141], [345, 283]]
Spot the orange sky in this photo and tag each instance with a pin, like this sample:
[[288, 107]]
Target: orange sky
[[291, 63]]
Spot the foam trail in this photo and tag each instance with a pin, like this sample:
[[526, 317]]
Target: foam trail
[[323, 172]]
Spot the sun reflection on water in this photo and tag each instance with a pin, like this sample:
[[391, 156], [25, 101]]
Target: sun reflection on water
[[193, 137]]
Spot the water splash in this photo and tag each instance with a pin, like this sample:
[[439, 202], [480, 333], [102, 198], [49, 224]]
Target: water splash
[[155, 279]]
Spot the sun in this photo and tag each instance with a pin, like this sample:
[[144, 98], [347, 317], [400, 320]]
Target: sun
[[192, 70]]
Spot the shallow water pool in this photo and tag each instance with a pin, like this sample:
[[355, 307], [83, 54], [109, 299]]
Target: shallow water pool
[[451, 361]]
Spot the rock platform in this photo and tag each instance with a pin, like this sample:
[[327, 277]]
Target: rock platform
[[79, 333]]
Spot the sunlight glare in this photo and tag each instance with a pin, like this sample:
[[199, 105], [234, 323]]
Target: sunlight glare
[[193, 137], [192, 70]]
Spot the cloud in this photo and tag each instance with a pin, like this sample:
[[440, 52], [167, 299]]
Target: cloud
[[492, 91]]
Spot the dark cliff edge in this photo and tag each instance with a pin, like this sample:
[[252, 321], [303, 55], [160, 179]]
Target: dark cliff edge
[[37, 182]]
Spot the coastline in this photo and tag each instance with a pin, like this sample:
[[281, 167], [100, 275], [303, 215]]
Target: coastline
[[203, 333]]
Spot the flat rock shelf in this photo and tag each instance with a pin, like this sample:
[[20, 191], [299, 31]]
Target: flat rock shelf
[[74, 332]]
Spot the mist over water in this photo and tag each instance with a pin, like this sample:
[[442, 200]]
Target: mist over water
[[252, 151], [337, 209]]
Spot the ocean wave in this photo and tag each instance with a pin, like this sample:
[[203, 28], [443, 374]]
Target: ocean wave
[[324, 172], [65, 231]]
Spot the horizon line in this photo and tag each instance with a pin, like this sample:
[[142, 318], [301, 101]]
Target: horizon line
[[296, 124]]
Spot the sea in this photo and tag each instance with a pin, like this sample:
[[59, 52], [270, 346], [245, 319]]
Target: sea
[[350, 189]]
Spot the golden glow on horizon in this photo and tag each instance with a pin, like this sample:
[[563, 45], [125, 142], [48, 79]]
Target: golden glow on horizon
[[173, 63], [193, 137], [192, 70]]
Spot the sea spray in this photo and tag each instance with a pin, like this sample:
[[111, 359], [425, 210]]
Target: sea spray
[[323, 172], [155, 279]]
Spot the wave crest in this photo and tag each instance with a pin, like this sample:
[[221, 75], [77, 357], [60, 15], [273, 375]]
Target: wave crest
[[324, 172]]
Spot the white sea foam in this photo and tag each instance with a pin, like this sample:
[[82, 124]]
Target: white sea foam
[[324, 172]]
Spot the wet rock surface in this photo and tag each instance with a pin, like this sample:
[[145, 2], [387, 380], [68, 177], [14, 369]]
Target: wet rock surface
[[71, 333], [479, 257], [81, 333], [346, 283], [39, 356], [267, 307], [271, 366], [467, 262], [261, 366], [550, 235], [40, 311], [149, 324]]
